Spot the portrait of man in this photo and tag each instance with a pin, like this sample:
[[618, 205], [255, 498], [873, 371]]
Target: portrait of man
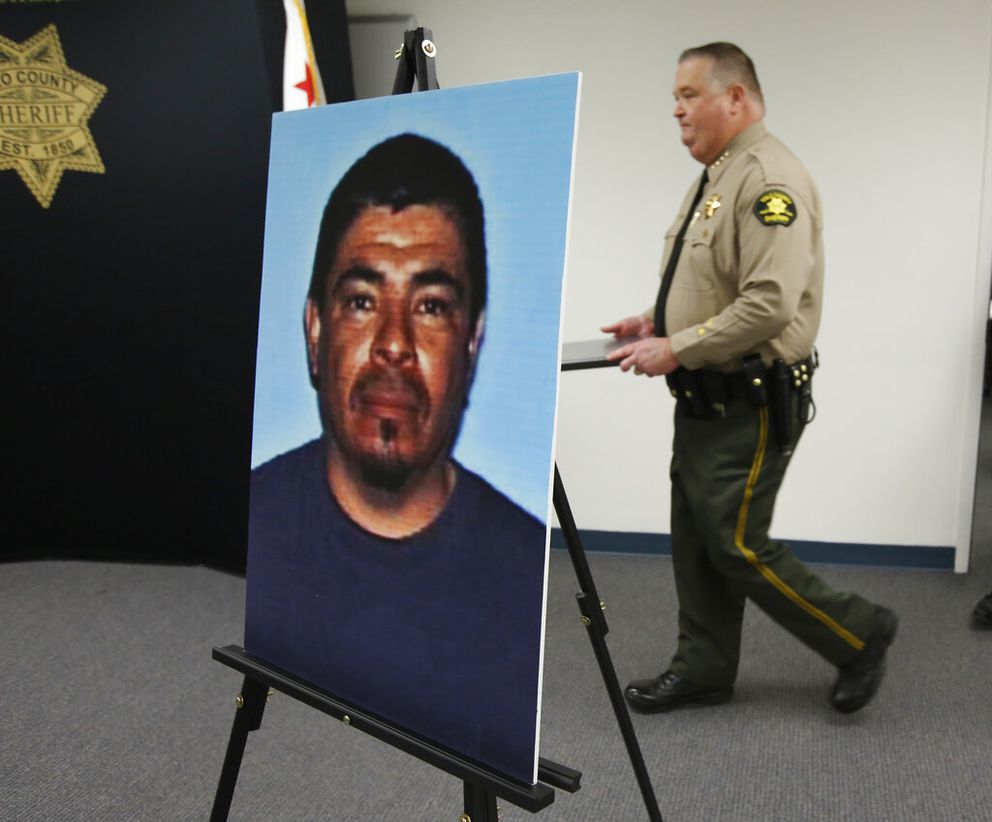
[[381, 569], [394, 320]]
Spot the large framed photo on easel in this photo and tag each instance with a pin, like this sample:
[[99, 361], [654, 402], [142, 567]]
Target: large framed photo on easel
[[406, 387]]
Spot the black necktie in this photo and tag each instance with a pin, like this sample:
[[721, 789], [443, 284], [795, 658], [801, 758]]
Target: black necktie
[[673, 260]]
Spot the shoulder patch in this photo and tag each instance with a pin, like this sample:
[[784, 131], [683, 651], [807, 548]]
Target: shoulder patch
[[775, 208]]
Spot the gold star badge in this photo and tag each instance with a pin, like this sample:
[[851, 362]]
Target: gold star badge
[[44, 109], [711, 205]]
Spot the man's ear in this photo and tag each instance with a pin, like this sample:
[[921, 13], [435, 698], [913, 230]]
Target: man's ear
[[311, 335], [475, 344], [738, 95]]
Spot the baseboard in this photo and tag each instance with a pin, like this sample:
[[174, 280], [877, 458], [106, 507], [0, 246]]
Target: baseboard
[[816, 553]]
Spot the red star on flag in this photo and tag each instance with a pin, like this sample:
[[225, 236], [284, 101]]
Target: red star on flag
[[307, 86]]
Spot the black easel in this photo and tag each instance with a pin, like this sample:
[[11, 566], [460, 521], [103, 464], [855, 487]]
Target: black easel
[[481, 787]]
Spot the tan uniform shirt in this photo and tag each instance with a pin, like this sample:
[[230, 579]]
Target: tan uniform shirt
[[750, 275]]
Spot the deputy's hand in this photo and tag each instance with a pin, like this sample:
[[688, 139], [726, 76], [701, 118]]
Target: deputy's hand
[[652, 356], [630, 327]]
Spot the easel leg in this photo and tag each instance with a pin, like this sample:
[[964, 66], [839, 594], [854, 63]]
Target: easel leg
[[595, 622], [480, 805], [247, 719]]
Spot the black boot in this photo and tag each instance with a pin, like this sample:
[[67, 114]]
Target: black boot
[[981, 616], [670, 691], [858, 681]]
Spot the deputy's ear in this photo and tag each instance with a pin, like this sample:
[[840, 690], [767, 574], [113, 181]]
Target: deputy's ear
[[311, 334], [737, 93]]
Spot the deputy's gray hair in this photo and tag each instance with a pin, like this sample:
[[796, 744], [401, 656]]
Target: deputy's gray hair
[[730, 65]]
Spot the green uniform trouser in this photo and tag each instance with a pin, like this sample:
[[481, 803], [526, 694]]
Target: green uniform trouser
[[726, 473]]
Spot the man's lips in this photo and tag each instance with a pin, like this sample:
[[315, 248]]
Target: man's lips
[[387, 395], [404, 401]]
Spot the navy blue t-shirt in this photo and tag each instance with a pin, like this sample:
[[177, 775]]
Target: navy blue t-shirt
[[438, 633]]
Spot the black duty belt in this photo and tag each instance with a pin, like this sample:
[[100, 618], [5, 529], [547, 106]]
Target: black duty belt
[[703, 393]]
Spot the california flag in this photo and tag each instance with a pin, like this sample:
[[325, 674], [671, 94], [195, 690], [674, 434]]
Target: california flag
[[301, 85]]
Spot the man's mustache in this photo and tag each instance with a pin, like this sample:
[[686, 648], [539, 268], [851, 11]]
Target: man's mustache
[[402, 389]]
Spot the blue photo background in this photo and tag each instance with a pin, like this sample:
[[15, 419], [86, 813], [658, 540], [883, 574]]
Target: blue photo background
[[517, 139]]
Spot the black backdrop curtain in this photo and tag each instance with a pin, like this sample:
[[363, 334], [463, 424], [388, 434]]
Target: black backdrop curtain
[[130, 304]]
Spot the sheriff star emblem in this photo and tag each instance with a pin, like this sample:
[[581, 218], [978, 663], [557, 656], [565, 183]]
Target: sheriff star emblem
[[44, 110], [775, 208]]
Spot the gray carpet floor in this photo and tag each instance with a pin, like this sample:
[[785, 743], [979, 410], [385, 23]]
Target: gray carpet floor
[[111, 708]]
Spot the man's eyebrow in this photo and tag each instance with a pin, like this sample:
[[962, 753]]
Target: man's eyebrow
[[439, 276], [361, 274], [422, 279]]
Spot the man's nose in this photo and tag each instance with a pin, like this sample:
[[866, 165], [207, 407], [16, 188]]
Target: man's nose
[[678, 111], [393, 343]]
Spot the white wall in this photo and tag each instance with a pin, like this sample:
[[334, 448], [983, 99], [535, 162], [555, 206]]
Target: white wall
[[888, 105]]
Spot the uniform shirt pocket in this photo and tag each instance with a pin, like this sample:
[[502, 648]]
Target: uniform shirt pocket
[[696, 270]]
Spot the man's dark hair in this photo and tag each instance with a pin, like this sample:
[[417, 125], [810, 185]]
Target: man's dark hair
[[730, 65], [402, 171]]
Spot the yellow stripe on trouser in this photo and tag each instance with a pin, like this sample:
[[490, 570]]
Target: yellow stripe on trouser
[[765, 571]]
